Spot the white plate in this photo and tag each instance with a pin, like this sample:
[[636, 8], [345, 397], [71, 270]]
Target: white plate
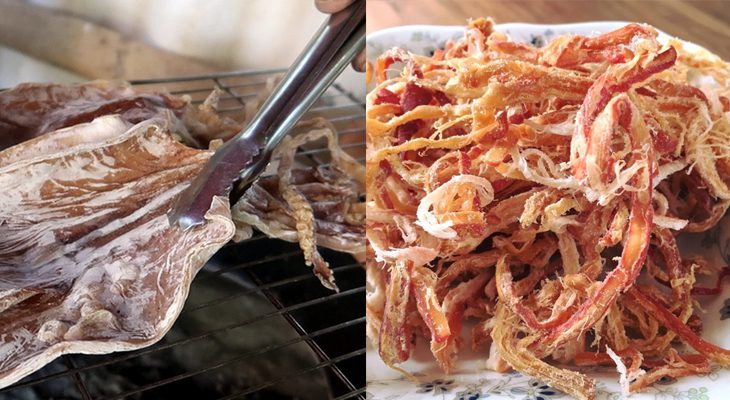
[[472, 380]]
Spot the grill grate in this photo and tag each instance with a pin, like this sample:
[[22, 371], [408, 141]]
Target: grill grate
[[257, 323]]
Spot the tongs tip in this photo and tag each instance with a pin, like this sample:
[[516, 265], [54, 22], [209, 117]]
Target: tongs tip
[[184, 221], [183, 215]]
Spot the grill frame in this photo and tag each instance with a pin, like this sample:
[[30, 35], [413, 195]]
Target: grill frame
[[346, 112]]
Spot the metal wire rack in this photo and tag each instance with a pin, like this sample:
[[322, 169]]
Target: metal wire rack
[[257, 323]]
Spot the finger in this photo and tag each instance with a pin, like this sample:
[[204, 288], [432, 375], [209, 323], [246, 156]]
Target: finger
[[359, 62], [332, 6]]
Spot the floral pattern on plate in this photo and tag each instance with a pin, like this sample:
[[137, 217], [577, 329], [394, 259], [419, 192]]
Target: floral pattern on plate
[[518, 387]]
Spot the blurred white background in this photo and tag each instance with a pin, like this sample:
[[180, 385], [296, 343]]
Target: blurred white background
[[221, 34]]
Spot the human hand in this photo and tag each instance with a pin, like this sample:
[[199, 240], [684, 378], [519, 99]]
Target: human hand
[[333, 6]]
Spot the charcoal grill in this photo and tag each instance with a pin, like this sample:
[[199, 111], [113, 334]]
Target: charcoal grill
[[257, 323]]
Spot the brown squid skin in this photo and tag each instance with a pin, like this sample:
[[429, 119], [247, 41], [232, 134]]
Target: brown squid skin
[[88, 260], [30, 110], [85, 234]]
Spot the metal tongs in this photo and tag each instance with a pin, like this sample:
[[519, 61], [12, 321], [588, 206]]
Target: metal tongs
[[244, 157]]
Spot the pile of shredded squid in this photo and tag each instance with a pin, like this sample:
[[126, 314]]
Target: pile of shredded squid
[[526, 189]]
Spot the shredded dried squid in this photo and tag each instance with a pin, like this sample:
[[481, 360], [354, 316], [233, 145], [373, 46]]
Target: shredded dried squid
[[502, 180]]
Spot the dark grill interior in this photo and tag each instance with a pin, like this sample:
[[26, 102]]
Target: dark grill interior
[[257, 323]]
